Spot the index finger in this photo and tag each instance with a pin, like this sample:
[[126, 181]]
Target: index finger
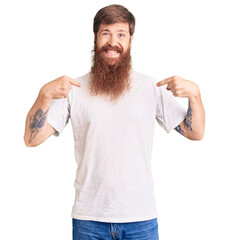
[[74, 82], [163, 82]]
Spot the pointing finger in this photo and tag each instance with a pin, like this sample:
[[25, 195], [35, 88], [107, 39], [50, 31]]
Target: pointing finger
[[163, 82], [74, 82]]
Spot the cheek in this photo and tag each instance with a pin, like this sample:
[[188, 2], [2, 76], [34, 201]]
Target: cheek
[[100, 42], [126, 46]]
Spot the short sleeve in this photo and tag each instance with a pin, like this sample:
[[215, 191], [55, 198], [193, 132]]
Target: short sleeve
[[58, 114], [169, 112]]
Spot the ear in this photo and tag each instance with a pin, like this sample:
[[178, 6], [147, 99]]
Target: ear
[[131, 38]]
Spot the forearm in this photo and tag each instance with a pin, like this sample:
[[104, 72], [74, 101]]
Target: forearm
[[37, 130], [36, 121], [198, 117], [194, 124]]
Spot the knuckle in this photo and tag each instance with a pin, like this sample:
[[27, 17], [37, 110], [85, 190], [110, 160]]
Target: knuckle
[[176, 81], [64, 77]]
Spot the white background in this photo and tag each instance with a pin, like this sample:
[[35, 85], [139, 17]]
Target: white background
[[43, 40]]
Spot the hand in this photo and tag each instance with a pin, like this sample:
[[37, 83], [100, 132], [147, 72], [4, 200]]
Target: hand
[[58, 88], [180, 87]]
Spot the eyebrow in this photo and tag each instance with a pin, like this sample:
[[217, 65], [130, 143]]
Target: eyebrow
[[123, 31], [107, 30]]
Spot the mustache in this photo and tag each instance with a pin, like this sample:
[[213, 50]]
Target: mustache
[[107, 47]]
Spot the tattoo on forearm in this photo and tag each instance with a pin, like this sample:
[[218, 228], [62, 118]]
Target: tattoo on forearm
[[37, 121], [187, 122], [188, 118], [180, 129]]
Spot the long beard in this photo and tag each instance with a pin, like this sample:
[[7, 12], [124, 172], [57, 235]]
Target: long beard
[[109, 78]]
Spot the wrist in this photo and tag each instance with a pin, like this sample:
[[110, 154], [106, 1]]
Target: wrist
[[44, 94], [194, 95], [194, 98]]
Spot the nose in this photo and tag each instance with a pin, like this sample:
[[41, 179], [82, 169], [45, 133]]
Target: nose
[[113, 41]]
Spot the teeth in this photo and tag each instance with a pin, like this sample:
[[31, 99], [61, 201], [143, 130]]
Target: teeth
[[112, 52]]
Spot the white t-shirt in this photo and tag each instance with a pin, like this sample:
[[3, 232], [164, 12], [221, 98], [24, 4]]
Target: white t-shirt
[[113, 147]]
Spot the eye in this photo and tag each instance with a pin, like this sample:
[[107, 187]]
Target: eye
[[105, 34], [121, 35]]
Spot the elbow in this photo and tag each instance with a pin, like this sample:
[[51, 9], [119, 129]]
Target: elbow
[[29, 143], [197, 137]]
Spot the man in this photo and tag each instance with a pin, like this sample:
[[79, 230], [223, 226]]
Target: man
[[113, 111]]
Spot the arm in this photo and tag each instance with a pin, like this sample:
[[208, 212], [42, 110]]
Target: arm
[[37, 130], [194, 124]]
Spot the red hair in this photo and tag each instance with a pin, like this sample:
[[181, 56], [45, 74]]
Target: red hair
[[113, 14]]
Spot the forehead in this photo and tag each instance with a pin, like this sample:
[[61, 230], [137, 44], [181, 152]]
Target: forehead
[[115, 27]]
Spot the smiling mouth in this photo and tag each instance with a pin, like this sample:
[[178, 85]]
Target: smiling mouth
[[111, 52]]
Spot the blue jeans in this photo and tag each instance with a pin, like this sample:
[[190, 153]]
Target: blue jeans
[[93, 230]]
